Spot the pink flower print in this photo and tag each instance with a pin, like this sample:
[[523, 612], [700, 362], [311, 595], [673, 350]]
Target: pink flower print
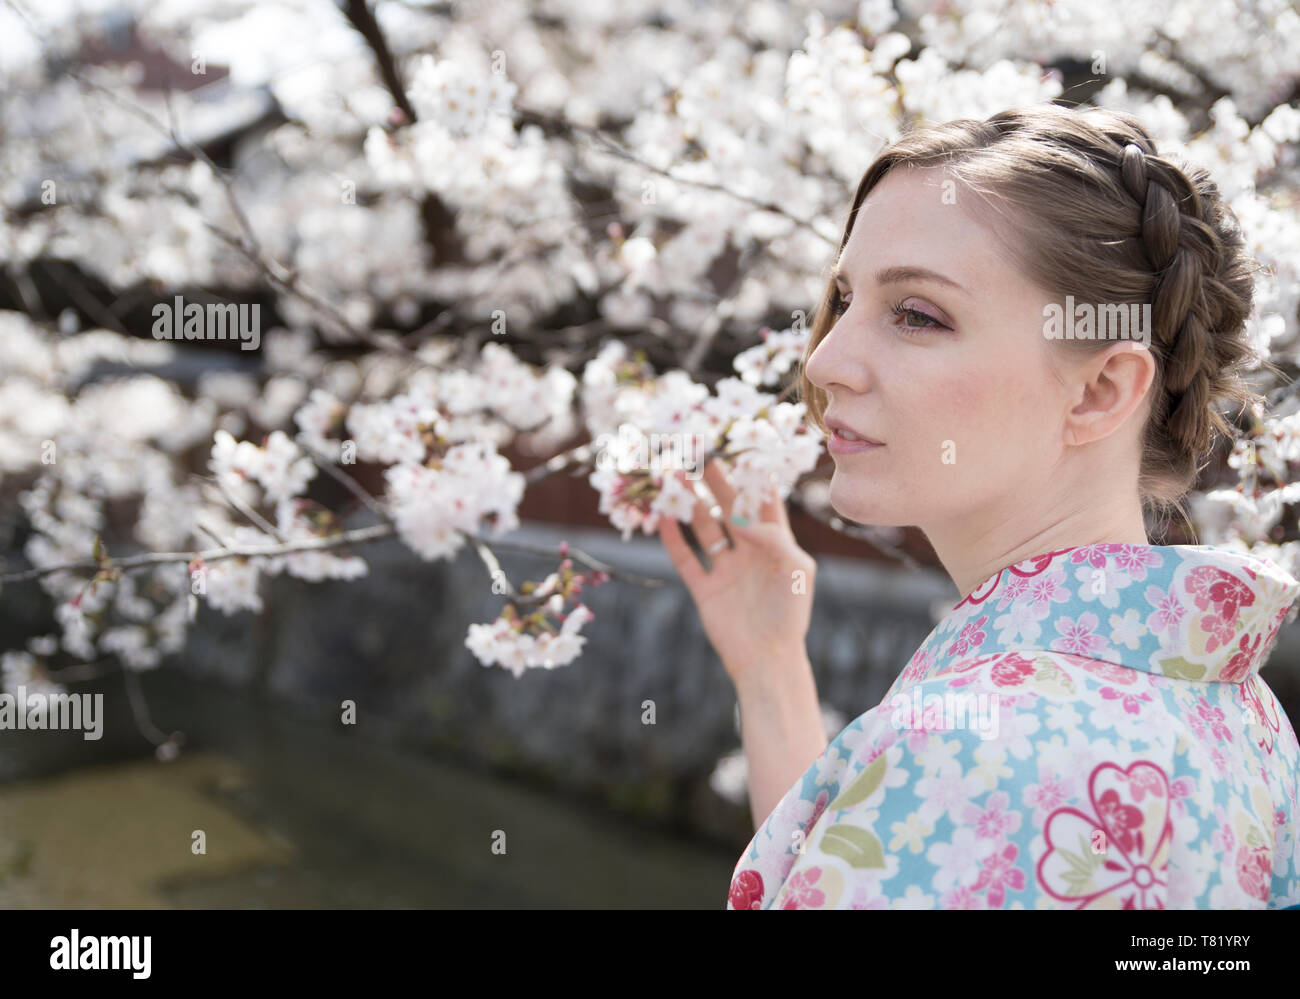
[[746, 891], [1212, 718], [1279, 818], [971, 637], [962, 665], [1242, 660], [1129, 701], [1220, 760], [1278, 618], [1222, 839], [961, 897], [1011, 670], [1266, 720], [801, 890], [1179, 791], [919, 666], [1015, 587], [819, 806], [1136, 841], [1169, 611], [992, 821], [1123, 675], [1142, 782], [865, 896], [1000, 873], [1223, 594], [1255, 871], [1135, 559], [1048, 795], [1094, 555], [1124, 821], [1048, 587], [1079, 637]]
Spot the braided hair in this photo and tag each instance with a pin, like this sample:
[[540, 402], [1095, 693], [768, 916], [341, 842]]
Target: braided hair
[[1087, 207]]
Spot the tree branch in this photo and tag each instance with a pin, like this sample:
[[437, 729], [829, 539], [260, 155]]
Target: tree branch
[[361, 17], [560, 123], [145, 559]]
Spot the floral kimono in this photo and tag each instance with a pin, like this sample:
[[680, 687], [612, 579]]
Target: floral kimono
[[1086, 730]]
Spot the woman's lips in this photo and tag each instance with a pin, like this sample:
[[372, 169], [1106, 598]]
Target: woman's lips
[[840, 444], [843, 445]]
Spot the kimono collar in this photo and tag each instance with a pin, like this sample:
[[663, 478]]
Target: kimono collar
[[1194, 612]]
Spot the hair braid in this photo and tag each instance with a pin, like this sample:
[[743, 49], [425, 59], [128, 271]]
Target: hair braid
[[1186, 253]]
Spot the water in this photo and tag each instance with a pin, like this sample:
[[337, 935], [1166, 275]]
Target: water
[[298, 814]]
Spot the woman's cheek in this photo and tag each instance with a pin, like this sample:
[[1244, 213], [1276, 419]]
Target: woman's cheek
[[958, 420], [979, 433]]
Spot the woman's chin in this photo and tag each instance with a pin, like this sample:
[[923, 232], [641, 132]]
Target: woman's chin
[[850, 501]]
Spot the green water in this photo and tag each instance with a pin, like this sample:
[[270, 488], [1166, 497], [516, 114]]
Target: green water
[[302, 815]]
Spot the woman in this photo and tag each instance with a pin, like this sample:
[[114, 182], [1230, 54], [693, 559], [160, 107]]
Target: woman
[[1086, 728]]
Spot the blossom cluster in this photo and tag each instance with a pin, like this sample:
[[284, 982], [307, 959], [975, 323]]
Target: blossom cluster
[[767, 363], [764, 445], [520, 639]]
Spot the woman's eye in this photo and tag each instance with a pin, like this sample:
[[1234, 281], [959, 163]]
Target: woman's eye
[[840, 304], [916, 319]]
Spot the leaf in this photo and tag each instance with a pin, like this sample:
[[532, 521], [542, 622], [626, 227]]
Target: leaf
[[863, 787], [859, 847], [1081, 866], [1177, 666]]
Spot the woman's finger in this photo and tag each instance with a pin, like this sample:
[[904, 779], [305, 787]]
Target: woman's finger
[[773, 510], [720, 487], [683, 559], [704, 518]]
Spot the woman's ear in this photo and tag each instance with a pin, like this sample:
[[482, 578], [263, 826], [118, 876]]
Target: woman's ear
[[1109, 386]]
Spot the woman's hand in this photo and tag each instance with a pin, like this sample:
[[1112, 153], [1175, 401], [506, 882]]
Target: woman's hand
[[755, 601]]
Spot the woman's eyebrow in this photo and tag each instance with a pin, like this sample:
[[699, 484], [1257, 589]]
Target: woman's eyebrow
[[900, 273]]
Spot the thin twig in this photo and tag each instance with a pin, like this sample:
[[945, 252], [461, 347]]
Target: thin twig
[[140, 710], [497, 574], [363, 20], [574, 553], [255, 518], [625, 154], [144, 559], [561, 461], [347, 481]]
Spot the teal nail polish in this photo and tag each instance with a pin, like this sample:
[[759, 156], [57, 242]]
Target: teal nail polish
[[739, 521]]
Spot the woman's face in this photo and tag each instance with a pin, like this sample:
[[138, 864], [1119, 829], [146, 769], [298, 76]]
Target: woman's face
[[958, 389]]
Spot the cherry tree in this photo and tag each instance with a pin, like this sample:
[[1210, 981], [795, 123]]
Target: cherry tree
[[589, 232]]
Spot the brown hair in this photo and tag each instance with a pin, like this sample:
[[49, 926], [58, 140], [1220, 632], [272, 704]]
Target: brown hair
[[1100, 215]]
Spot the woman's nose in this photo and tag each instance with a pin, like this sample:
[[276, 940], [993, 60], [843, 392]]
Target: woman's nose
[[831, 363]]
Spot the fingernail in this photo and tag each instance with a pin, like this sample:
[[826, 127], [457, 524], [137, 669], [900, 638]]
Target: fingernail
[[739, 521]]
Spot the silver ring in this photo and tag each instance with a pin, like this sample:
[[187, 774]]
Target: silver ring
[[718, 545]]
